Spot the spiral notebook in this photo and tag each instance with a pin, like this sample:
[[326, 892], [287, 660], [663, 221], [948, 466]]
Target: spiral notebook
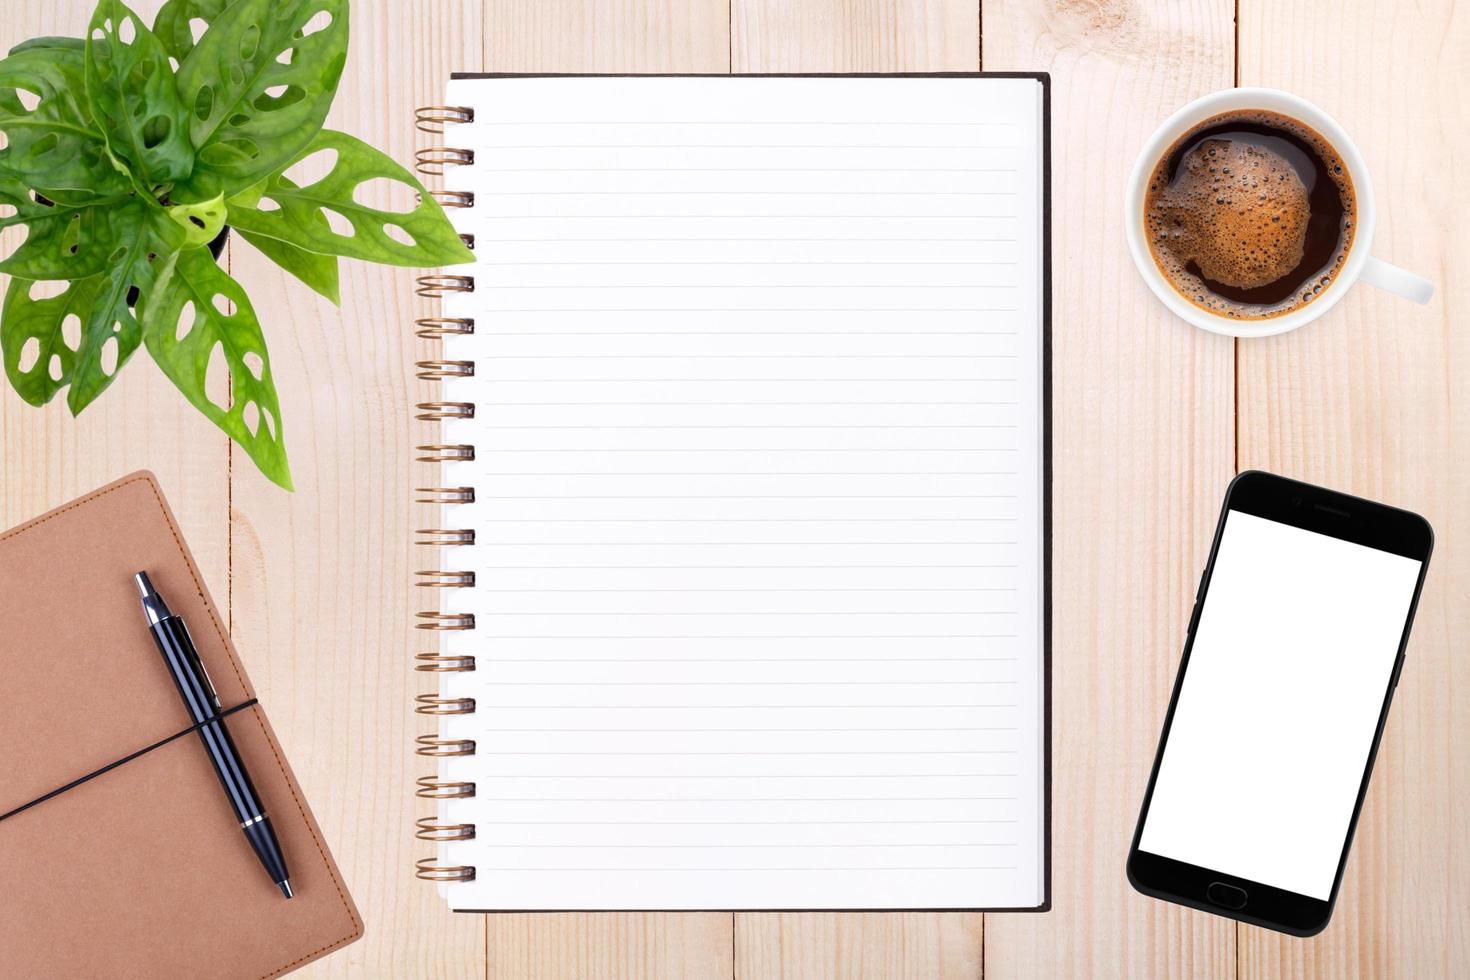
[[742, 442]]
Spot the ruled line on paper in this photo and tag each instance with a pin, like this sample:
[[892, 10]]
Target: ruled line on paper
[[703, 870], [741, 800], [498, 753], [766, 589], [864, 123], [729, 684], [751, 636], [751, 146], [756, 333], [751, 309], [846, 775], [702, 823], [663, 731], [949, 216], [601, 846], [756, 496], [681, 707], [601, 473], [774, 238], [746, 170], [643, 262], [628, 567]]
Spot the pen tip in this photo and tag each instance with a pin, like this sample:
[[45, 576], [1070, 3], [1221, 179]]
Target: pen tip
[[145, 587], [285, 887]]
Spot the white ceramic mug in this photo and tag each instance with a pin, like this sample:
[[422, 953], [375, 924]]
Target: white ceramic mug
[[1358, 265]]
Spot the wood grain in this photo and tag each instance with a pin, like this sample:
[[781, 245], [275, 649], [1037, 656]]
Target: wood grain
[[1143, 422], [1365, 400], [861, 36], [854, 35], [607, 35], [608, 946], [898, 945]]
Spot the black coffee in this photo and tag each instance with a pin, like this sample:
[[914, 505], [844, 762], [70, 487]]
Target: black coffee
[[1250, 214]]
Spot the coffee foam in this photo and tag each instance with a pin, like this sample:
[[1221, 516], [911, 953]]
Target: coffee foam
[[1238, 211]]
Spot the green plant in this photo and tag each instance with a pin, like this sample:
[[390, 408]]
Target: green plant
[[125, 154]]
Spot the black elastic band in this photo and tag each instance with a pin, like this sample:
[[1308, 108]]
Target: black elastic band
[[127, 758]]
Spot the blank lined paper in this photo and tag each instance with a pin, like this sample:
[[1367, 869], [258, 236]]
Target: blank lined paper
[[758, 558]]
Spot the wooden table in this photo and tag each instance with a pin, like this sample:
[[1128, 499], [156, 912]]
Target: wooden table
[[1152, 418]]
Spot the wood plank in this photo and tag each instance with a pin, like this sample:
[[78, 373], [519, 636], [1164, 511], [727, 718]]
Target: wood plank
[[854, 35], [608, 946], [610, 36], [141, 421], [322, 576], [1142, 415], [607, 36], [847, 36], [895, 945], [1365, 401]]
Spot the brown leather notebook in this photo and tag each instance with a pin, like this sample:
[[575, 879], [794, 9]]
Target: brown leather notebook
[[141, 871]]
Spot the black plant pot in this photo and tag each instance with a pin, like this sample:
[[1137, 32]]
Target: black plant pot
[[216, 249]]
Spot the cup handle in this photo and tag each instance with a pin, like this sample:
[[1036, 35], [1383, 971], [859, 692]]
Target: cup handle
[[1396, 280]]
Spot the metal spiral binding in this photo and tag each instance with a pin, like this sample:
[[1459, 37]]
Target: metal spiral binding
[[444, 663], [431, 829], [431, 870], [437, 285], [445, 495], [429, 704], [445, 621], [431, 788], [440, 745], [440, 579], [432, 160], [448, 536], [433, 370], [444, 747], [431, 118], [430, 327], [454, 199], [445, 452], [437, 411]]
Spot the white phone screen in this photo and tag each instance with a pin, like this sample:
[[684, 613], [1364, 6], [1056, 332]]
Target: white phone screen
[[1292, 657]]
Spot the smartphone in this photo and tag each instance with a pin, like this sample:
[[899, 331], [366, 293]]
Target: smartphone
[[1293, 650]]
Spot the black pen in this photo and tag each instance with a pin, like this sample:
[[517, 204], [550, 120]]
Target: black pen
[[197, 690]]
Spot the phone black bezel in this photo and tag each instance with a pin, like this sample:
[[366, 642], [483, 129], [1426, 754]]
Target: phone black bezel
[[1337, 515]]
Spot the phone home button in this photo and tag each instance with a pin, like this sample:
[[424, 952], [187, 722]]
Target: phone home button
[[1225, 895]]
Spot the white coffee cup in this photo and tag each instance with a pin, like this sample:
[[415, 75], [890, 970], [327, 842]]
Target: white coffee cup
[[1358, 265]]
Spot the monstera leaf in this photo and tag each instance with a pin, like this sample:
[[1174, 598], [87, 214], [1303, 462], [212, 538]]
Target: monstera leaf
[[33, 43], [145, 241], [185, 322], [422, 236], [172, 25], [130, 88], [258, 87], [62, 242], [37, 324], [53, 148]]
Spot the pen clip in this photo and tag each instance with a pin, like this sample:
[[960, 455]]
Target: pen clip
[[203, 670]]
